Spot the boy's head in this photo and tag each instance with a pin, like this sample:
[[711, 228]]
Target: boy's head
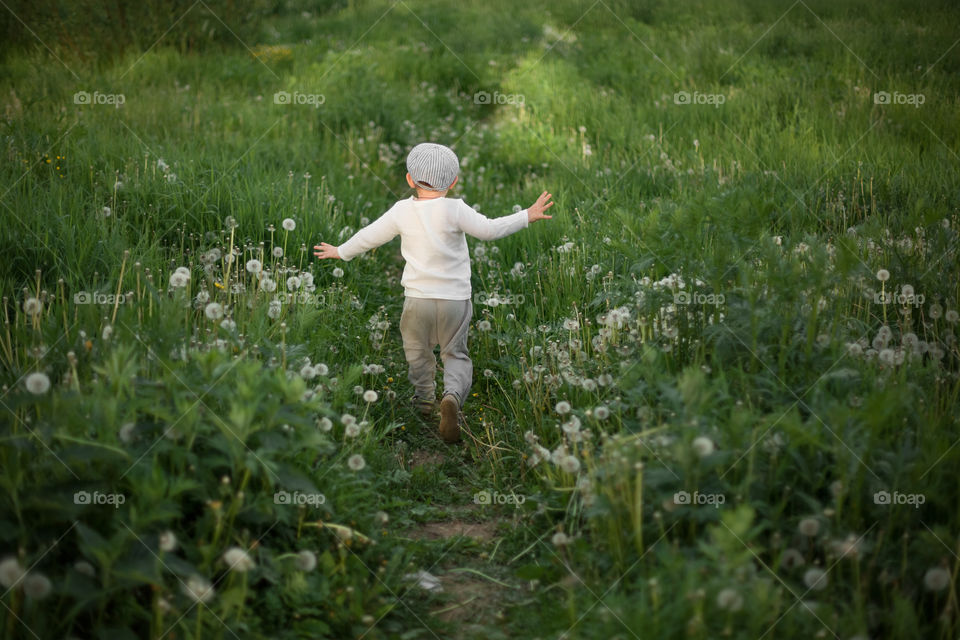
[[432, 168]]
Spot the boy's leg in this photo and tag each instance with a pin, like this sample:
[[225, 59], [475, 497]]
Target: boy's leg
[[418, 329], [453, 323]]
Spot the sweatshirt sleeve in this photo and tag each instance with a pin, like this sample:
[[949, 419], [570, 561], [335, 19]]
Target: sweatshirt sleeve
[[380, 231], [479, 226]]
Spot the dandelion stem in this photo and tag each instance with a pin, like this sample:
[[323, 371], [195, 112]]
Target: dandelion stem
[[116, 297]]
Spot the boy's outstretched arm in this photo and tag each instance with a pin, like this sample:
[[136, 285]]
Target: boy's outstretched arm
[[378, 232], [481, 227]]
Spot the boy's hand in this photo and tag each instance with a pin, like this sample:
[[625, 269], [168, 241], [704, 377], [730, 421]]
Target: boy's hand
[[535, 211], [324, 250]]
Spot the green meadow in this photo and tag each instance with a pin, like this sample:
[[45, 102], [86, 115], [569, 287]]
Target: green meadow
[[714, 397]]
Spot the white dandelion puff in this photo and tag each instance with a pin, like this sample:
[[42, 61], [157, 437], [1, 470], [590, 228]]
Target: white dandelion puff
[[570, 464], [126, 432], [560, 539], [10, 572], [337, 272], [213, 311], [563, 407], [306, 560], [703, 446], [352, 430], [729, 599], [37, 383], [274, 309], [178, 280], [815, 579], [484, 325], [809, 527], [289, 224], [32, 306], [791, 558], [238, 559], [84, 567], [198, 589], [356, 462], [167, 541], [936, 579], [254, 266], [370, 395], [37, 586], [883, 275], [601, 412]]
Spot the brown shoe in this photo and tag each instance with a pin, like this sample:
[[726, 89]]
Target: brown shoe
[[450, 419], [424, 406]]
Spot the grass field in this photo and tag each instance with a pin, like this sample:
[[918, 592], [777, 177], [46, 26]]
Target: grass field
[[715, 396]]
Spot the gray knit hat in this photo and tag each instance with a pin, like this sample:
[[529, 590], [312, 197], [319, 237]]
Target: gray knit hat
[[433, 167]]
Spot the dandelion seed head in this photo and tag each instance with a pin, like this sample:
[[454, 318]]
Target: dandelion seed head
[[238, 559], [213, 311], [936, 579], [883, 275], [570, 464], [37, 383], [178, 280], [32, 306], [703, 446], [167, 541], [306, 561], [370, 395], [10, 572], [125, 434], [198, 589], [356, 462], [37, 586], [289, 224], [809, 527], [84, 567], [815, 579], [729, 599]]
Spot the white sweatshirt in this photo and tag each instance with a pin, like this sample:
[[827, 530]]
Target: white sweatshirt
[[433, 243]]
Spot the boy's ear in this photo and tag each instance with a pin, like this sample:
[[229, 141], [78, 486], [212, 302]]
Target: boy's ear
[[410, 182], [455, 181]]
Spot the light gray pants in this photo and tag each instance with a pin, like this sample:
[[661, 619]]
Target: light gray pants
[[426, 323]]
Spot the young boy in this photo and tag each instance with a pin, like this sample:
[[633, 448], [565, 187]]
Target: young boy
[[436, 278]]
